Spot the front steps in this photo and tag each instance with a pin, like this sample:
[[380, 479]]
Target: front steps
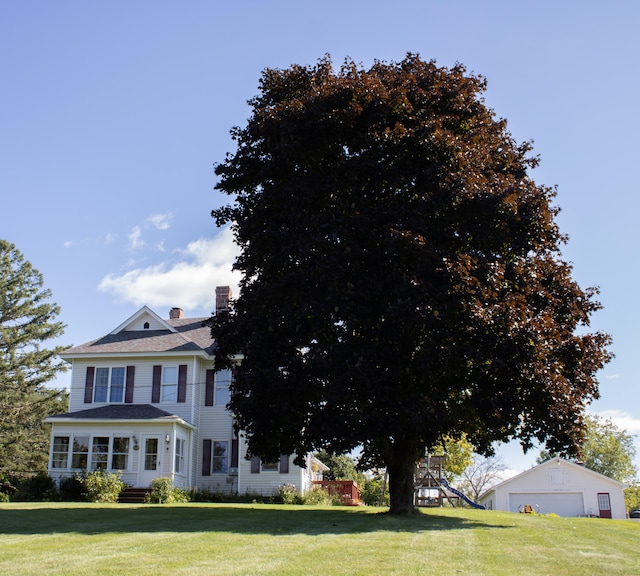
[[133, 495]]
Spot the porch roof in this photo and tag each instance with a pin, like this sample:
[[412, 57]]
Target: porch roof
[[111, 412]]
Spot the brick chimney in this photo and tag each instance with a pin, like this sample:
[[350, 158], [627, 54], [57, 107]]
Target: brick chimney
[[176, 313], [223, 296]]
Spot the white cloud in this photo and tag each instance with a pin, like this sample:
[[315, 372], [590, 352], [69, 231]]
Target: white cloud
[[161, 221], [135, 238], [622, 420], [188, 283], [68, 244]]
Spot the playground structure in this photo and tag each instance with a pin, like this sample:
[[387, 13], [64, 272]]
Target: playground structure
[[431, 489]]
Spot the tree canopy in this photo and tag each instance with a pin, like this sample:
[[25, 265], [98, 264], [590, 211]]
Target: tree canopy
[[402, 275], [27, 322], [341, 467], [459, 456], [609, 449], [606, 448]]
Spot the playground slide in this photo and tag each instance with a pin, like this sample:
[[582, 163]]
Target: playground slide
[[461, 495]]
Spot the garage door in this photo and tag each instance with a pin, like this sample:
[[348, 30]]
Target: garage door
[[564, 504]]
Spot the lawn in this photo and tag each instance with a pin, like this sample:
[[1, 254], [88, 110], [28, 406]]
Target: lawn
[[198, 539]]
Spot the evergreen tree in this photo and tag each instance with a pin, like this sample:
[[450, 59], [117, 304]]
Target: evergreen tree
[[27, 321]]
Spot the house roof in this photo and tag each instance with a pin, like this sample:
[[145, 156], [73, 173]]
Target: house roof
[[180, 335], [112, 412], [552, 462]]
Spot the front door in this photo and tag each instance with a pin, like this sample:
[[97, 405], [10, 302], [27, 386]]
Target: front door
[[150, 463], [604, 504]]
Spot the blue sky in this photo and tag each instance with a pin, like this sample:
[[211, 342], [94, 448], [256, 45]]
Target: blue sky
[[112, 115]]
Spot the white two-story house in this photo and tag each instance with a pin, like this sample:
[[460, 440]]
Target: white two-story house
[[145, 400]]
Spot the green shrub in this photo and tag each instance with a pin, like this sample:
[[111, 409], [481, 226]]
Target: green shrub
[[38, 488], [206, 495], [319, 496], [371, 490], [163, 492], [7, 487], [288, 494], [71, 489], [102, 486]]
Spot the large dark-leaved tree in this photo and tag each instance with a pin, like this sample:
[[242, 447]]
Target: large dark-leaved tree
[[402, 275], [27, 323]]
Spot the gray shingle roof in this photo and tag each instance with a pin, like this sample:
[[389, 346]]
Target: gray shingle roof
[[119, 412], [191, 336]]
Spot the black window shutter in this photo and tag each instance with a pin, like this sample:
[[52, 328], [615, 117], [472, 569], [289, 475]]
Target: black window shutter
[[255, 465], [88, 385], [284, 464], [234, 452], [155, 388], [208, 388], [206, 457], [128, 391], [182, 383]]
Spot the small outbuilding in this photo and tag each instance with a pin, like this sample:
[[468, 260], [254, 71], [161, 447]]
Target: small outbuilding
[[559, 487]]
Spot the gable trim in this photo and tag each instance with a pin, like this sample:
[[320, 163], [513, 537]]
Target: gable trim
[[141, 312]]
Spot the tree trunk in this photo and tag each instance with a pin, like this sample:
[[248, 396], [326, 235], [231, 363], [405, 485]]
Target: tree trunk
[[401, 470]]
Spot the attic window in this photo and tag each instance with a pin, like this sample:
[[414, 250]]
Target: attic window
[[146, 325]]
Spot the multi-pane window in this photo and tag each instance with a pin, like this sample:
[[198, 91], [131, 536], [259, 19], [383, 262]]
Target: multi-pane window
[[223, 381], [180, 444], [270, 466], [80, 455], [120, 454], [100, 453], [169, 383], [60, 452], [109, 384], [90, 453], [220, 460]]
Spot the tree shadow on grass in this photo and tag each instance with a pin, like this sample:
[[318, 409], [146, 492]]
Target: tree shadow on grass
[[258, 519]]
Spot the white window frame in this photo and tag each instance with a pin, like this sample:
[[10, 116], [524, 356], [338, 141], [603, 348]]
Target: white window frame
[[168, 388], [220, 463], [181, 445], [99, 457], [91, 458], [110, 389], [82, 454], [113, 453], [60, 456], [221, 392]]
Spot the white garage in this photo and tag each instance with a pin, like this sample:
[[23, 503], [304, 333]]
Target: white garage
[[559, 487]]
